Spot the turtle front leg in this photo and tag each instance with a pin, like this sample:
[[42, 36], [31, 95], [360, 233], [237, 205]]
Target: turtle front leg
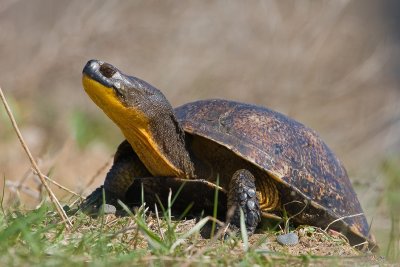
[[242, 195], [120, 177]]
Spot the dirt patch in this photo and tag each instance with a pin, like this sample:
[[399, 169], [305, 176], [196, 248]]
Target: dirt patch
[[312, 241]]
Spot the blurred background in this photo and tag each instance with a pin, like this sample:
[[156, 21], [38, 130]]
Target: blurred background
[[332, 65]]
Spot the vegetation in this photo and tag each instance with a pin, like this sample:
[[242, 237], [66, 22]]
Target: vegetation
[[391, 170], [37, 238]]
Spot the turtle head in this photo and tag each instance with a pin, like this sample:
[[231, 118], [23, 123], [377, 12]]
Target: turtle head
[[121, 96], [143, 114]]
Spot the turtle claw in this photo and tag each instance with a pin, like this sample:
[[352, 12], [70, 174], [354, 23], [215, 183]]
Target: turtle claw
[[93, 204], [108, 209]]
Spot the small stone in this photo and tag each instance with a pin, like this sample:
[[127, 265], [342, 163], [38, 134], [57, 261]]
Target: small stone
[[108, 209], [289, 239]]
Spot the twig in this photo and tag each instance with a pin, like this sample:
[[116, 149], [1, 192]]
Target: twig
[[341, 219], [53, 198], [2, 194], [222, 230], [60, 185], [361, 244], [124, 231], [24, 178], [14, 187], [158, 223], [291, 217]]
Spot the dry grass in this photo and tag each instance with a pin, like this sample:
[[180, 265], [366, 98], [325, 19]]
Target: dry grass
[[35, 167], [35, 238]]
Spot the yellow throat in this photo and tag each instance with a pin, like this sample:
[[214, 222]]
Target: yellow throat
[[135, 127]]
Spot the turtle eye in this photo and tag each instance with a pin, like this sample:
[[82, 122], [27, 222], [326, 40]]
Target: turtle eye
[[107, 70]]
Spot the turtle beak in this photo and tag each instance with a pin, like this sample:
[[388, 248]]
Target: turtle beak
[[100, 71]]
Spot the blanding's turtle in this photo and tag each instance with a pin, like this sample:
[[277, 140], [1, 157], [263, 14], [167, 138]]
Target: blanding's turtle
[[265, 162]]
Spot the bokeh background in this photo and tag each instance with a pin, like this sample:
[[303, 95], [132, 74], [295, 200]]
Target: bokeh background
[[333, 65]]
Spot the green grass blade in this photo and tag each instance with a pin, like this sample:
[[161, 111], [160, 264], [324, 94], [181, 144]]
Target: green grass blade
[[152, 238], [243, 231], [193, 230], [169, 215], [2, 194], [103, 195], [177, 193], [142, 194], [215, 208], [186, 211], [164, 211]]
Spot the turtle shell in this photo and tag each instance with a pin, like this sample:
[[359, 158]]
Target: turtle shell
[[288, 152]]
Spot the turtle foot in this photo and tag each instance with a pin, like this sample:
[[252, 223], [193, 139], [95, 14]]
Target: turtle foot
[[93, 204], [242, 196]]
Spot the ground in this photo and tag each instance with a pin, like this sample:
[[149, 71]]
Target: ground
[[38, 238]]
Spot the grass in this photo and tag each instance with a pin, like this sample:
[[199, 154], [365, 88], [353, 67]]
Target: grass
[[38, 238], [391, 171]]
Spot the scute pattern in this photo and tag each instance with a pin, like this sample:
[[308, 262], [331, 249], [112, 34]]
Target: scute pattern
[[288, 151]]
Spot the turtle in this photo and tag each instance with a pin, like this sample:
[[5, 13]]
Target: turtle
[[264, 163]]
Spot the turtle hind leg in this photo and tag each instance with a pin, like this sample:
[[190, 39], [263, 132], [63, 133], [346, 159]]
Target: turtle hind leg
[[242, 195]]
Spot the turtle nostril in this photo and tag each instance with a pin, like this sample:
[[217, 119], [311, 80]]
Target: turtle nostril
[[107, 70]]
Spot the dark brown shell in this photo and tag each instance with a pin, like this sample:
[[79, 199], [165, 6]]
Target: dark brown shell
[[289, 152]]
